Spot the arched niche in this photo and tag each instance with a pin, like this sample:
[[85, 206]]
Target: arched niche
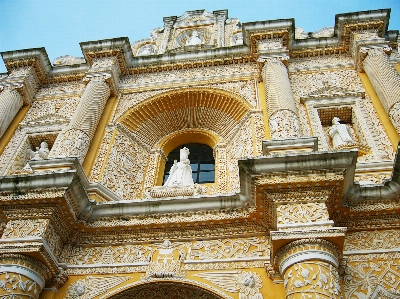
[[192, 115], [169, 290]]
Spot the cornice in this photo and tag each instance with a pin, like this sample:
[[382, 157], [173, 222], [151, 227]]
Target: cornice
[[253, 34]]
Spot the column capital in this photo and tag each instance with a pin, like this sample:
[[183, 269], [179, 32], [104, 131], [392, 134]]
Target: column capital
[[278, 59], [24, 80], [307, 249], [169, 21], [281, 241], [369, 50], [105, 69]]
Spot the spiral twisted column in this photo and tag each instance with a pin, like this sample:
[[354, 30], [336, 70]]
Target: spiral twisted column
[[310, 269], [21, 276], [282, 115], [74, 141], [386, 81], [10, 103]]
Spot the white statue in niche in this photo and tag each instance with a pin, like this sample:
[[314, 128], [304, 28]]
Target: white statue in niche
[[147, 49], [180, 174], [340, 134], [194, 39], [40, 153]]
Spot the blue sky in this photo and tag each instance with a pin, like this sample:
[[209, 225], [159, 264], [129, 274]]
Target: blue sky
[[61, 25]]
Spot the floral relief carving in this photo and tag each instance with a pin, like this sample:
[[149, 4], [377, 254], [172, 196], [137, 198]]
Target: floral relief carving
[[323, 62], [25, 227], [247, 284], [394, 114], [10, 150], [363, 276], [312, 280], [101, 154], [53, 240], [302, 213], [51, 110], [61, 89], [229, 248], [372, 240], [284, 124], [91, 287], [18, 286], [105, 255], [187, 75], [303, 84], [125, 168], [71, 143], [241, 146]]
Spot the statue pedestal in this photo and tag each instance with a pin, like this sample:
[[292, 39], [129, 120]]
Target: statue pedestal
[[162, 192]]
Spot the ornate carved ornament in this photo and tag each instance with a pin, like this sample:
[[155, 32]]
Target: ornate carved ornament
[[237, 58], [184, 288], [276, 41], [363, 51], [119, 55], [38, 67]]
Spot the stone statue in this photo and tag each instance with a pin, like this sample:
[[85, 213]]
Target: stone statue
[[194, 39], [340, 134], [180, 174], [40, 153]]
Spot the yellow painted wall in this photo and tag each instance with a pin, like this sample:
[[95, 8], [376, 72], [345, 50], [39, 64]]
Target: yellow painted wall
[[383, 116], [98, 135]]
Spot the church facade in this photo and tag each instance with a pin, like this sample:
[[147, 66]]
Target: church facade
[[214, 159]]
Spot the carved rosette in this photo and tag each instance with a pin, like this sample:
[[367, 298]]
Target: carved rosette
[[21, 276], [310, 269]]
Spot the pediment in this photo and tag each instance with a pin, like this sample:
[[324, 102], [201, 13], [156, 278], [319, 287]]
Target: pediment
[[195, 18]]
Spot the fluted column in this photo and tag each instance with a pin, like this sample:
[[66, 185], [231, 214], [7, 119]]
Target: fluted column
[[282, 115], [10, 103], [75, 140], [386, 81], [21, 276], [310, 269]]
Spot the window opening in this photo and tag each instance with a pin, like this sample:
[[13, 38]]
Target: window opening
[[201, 161]]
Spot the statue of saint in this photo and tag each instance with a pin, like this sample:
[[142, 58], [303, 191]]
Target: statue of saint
[[40, 153], [340, 134], [180, 174], [194, 39]]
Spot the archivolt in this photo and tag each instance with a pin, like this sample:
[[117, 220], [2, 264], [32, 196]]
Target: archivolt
[[212, 110], [167, 290]]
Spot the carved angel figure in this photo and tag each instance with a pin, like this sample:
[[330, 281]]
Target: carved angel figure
[[40, 153], [181, 173], [339, 133]]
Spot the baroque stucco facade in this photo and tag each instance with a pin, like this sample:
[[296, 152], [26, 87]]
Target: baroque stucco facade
[[293, 213]]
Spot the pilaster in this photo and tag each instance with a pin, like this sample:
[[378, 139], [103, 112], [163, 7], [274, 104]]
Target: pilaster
[[385, 79], [282, 113], [221, 16], [74, 141], [168, 25]]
